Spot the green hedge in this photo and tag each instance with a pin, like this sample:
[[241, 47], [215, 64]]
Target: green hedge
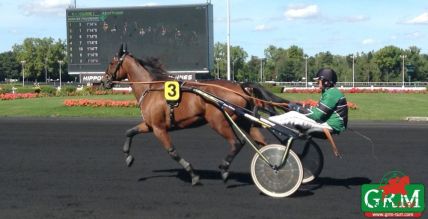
[[48, 90], [18, 89], [272, 87]]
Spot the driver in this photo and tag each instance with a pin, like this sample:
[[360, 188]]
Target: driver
[[331, 111]]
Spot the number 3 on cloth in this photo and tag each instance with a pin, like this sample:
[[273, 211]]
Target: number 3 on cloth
[[172, 91]]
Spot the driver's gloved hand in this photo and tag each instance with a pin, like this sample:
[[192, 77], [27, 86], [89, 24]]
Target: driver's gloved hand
[[294, 106], [298, 108]]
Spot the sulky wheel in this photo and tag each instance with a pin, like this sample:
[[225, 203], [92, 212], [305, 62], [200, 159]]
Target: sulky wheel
[[311, 157], [281, 182]]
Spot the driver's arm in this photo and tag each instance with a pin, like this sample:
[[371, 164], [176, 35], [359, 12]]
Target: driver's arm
[[324, 108]]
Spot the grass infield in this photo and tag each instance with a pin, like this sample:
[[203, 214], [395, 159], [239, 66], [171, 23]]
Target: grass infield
[[372, 106], [379, 106]]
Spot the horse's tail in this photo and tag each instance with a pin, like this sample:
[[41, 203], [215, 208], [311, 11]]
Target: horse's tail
[[258, 91]]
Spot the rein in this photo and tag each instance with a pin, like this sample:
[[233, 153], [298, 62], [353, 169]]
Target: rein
[[204, 84]]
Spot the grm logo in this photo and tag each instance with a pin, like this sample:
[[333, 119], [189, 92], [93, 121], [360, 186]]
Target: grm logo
[[394, 196]]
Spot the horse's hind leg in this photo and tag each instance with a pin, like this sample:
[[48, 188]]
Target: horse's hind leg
[[236, 143], [236, 146], [165, 139], [257, 136], [222, 127], [186, 165], [130, 133]]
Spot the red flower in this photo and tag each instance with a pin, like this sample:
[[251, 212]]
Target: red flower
[[10, 96], [313, 103], [100, 103]]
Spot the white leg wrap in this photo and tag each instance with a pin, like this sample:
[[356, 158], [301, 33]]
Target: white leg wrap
[[297, 119]]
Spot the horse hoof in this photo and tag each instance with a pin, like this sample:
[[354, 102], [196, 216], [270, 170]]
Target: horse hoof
[[129, 160], [225, 176], [195, 181]]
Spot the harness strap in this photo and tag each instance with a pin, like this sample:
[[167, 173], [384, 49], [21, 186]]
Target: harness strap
[[140, 101], [171, 106], [171, 116]]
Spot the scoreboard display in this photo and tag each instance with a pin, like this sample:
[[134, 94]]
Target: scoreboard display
[[181, 37]]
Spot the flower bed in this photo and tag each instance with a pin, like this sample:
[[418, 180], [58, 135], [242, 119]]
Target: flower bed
[[358, 90], [311, 102], [109, 92], [133, 103], [100, 103], [385, 90], [11, 96]]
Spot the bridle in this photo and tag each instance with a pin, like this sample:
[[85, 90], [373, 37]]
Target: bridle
[[118, 65]]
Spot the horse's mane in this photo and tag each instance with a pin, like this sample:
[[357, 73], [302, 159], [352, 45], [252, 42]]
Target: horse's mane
[[154, 67]]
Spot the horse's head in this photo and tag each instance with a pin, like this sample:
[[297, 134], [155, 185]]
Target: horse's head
[[114, 71]]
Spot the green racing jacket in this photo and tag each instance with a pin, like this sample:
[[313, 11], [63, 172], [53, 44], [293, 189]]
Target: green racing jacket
[[332, 108]]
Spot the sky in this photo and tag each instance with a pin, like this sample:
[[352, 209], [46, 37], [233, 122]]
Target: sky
[[341, 27]]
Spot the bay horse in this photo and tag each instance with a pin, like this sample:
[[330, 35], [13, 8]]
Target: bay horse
[[159, 118]]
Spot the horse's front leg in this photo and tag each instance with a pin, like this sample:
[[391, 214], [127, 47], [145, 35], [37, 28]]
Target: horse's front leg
[[165, 139], [130, 133]]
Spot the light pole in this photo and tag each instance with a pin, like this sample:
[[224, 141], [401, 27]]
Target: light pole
[[306, 70], [46, 70], [233, 68], [403, 57], [218, 67], [60, 63], [353, 70], [228, 40], [261, 69], [219, 57], [23, 77]]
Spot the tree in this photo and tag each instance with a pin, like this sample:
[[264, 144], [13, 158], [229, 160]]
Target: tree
[[9, 67], [41, 56], [295, 61], [422, 74], [284, 64], [388, 61], [253, 69], [237, 60], [324, 60], [416, 61], [366, 69], [273, 56], [220, 56]]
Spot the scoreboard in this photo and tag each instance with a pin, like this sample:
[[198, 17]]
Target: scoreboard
[[181, 36]]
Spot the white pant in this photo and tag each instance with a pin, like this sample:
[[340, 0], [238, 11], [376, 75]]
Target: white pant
[[295, 118]]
